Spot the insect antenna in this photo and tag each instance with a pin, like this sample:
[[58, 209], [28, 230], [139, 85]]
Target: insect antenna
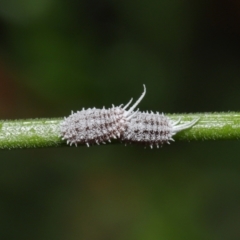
[[184, 126], [127, 104], [129, 111]]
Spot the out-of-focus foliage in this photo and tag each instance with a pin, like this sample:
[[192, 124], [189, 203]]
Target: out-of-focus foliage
[[58, 56]]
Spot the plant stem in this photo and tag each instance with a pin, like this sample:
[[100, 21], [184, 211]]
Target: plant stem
[[35, 133], [211, 126], [30, 133]]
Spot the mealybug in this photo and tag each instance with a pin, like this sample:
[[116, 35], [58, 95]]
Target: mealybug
[[152, 129], [97, 125]]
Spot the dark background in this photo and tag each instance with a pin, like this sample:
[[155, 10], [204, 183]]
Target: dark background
[[57, 56]]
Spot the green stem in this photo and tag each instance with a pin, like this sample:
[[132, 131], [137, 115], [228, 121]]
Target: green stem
[[211, 126], [30, 133], [34, 133]]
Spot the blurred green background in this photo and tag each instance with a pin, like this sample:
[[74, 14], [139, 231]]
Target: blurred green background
[[57, 56]]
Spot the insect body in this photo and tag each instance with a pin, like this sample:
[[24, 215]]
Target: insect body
[[152, 129], [97, 125]]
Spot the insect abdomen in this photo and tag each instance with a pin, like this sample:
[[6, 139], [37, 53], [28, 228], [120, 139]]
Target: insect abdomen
[[148, 129], [92, 126]]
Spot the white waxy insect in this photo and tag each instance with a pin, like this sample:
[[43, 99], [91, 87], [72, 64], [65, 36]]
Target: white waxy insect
[[95, 126], [152, 129]]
